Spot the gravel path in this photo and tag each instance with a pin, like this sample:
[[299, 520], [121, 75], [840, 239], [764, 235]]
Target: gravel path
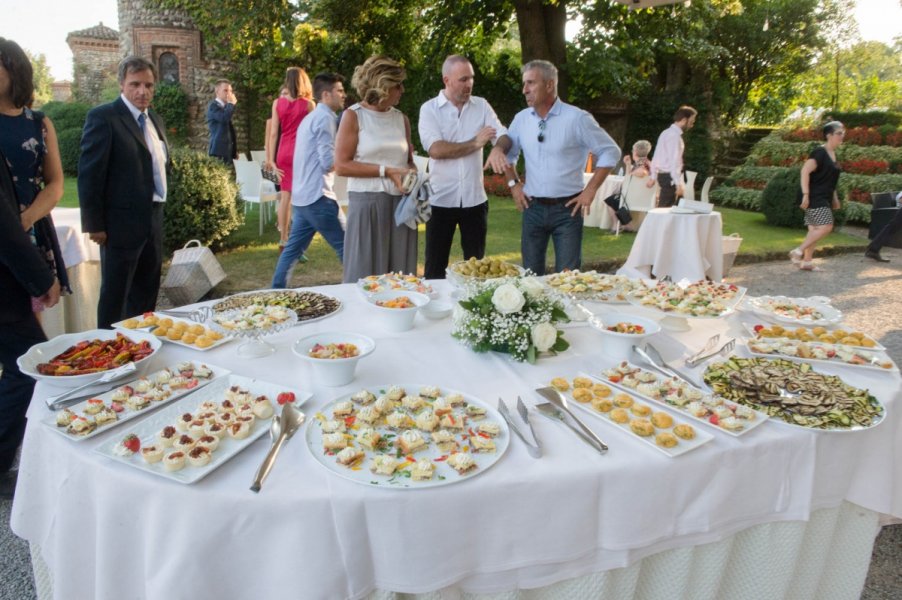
[[866, 292]]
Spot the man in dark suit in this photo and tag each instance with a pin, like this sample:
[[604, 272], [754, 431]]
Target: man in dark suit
[[122, 190], [219, 119], [24, 275]]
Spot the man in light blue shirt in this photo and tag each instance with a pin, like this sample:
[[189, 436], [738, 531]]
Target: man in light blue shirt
[[313, 203], [556, 138]]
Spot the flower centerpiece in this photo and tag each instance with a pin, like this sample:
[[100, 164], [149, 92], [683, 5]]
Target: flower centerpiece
[[513, 315]]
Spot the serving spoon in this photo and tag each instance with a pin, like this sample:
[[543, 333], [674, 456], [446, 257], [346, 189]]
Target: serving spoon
[[283, 427]]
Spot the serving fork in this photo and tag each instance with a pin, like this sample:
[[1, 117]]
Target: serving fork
[[727, 347]]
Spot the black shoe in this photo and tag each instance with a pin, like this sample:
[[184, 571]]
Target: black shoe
[[8, 484], [875, 255]]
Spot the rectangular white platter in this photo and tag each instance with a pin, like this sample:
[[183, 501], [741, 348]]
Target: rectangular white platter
[[188, 323]]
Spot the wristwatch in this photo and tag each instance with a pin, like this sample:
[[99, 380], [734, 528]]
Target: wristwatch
[[512, 182]]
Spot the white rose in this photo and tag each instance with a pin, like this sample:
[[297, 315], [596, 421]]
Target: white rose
[[544, 335], [508, 299], [532, 286]]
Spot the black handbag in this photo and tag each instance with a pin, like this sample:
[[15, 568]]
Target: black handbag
[[269, 175], [620, 207]]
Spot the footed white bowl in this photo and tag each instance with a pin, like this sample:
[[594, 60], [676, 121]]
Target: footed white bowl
[[619, 345], [333, 372], [437, 309], [397, 319]]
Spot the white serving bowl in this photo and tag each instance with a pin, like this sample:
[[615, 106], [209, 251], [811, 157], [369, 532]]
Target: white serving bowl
[[437, 309], [619, 345], [397, 319], [333, 372], [45, 351]]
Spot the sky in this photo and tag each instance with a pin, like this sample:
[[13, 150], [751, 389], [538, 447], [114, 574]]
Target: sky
[[41, 26]]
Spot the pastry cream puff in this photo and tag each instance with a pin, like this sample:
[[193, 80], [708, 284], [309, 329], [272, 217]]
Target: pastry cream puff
[[623, 400], [216, 429], [350, 456], [640, 410], [263, 408], [167, 436], [183, 421], [662, 420], [685, 431], [383, 464], [199, 456], [152, 454], [461, 462], [411, 441], [582, 382], [481, 444], [665, 439], [600, 390], [334, 441], [364, 397], [602, 404], [560, 384], [422, 470], [174, 461], [642, 427], [427, 421], [582, 394], [239, 430], [619, 415], [143, 385], [184, 442]]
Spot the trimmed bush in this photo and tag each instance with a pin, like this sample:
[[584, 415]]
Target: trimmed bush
[[67, 115], [752, 173], [874, 118], [736, 197], [171, 102], [69, 141], [202, 201], [779, 200]]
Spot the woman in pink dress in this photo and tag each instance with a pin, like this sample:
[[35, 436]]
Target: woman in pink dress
[[287, 114]]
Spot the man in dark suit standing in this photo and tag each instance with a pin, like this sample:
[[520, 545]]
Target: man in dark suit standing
[[24, 275], [223, 143], [122, 190]]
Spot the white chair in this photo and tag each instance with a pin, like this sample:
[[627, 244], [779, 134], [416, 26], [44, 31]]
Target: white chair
[[254, 189], [422, 163], [639, 197], [689, 185], [258, 156], [706, 188]]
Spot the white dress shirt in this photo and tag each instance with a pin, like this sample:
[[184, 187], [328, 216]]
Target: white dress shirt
[[157, 150], [668, 156], [554, 166], [456, 182]]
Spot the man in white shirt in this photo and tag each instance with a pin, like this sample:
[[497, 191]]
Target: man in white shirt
[[667, 164], [454, 127]]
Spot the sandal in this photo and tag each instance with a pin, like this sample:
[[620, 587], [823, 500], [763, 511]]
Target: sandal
[[808, 266], [795, 255]]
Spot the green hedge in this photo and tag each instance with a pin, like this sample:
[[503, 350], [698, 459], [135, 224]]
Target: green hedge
[[69, 141], [754, 173], [202, 201], [853, 152], [874, 118], [171, 102], [735, 197], [67, 115], [779, 200]]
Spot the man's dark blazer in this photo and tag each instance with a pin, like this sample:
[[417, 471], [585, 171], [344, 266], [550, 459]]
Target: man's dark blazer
[[222, 132], [23, 271], [115, 175]]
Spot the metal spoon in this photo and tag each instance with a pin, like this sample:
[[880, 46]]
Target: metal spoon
[[283, 427]]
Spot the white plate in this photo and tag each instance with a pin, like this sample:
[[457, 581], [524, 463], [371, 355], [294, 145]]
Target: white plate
[[616, 294], [148, 428], [729, 304], [762, 305], [877, 347], [127, 413], [216, 344], [874, 358], [302, 318], [760, 417], [443, 475], [46, 351], [682, 447], [394, 281]]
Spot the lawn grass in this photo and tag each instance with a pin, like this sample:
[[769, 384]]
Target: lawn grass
[[251, 259]]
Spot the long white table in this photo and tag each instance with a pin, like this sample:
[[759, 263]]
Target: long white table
[[78, 311], [682, 246], [779, 512]]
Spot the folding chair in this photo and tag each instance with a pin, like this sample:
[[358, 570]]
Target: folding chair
[[254, 189], [706, 188]]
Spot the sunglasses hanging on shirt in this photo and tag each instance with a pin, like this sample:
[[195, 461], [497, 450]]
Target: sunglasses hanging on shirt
[[541, 131]]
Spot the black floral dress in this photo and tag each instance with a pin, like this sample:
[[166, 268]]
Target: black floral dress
[[22, 141]]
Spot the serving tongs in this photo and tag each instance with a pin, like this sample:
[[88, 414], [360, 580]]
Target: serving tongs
[[70, 397], [728, 346], [558, 400], [653, 358], [198, 315], [289, 422], [533, 445], [710, 345]]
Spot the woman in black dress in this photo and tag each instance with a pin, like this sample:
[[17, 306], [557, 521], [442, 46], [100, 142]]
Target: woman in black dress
[[820, 173]]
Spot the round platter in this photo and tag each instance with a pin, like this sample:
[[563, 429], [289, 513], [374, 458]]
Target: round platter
[[857, 411], [797, 311], [443, 474], [676, 319], [309, 306], [375, 284], [591, 286]]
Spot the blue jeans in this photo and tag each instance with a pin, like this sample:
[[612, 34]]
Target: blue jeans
[[541, 222], [321, 216]]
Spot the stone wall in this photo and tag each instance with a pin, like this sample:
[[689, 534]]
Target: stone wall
[[95, 61]]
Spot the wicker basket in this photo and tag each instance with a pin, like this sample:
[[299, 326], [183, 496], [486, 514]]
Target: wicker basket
[[193, 273]]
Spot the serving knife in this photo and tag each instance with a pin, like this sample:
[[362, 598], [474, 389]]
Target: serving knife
[[533, 447], [550, 411], [557, 399]]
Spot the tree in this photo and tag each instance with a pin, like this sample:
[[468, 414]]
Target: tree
[[43, 90]]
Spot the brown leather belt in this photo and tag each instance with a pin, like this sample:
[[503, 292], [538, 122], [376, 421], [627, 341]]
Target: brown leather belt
[[553, 201]]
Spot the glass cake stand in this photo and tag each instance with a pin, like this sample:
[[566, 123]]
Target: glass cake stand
[[254, 345]]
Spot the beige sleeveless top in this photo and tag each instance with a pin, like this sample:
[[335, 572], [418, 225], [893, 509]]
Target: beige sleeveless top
[[382, 140]]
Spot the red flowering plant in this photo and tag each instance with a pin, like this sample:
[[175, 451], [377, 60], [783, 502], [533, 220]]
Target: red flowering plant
[[864, 166]]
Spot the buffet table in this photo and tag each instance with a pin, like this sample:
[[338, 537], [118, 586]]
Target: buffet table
[[78, 311], [680, 245], [778, 512], [599, 215]]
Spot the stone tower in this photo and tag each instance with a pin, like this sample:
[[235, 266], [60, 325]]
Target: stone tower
[[96, 55]]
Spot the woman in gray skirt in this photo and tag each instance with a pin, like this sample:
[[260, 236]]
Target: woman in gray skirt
[[373, 150]]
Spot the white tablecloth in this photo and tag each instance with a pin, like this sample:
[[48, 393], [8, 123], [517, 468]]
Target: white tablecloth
[[78, 311], [524, 524], [686, 246], [599, 215]]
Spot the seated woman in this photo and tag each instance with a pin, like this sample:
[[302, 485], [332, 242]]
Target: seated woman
[[638, 165]]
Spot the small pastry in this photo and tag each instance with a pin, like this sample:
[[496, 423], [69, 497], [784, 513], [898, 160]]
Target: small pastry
[[396, 392], [64, 417], [206, 416], [203, 372], [122, 394], [427, 421], [143, 385], [157, 394], [178, 382], [642, 427], [93, 406], [662, 420], [186, 365], [582, 394], [250, 419], [244, 409], [582, 382], [184, 442], [640, 410], [731, 424], [481, 444], [105, 415], [600, 390], [152, 454], [226, 406], [475, 413], [623, 400], [364, 397], [199, 456], [174, 461], [411, 441], [383, 464], [450, 421], [619, 415], [183, 421], [239, 430], [441, 407], [685, 431], [342, 409], [665, 439], [349, 456], [422, 470], [489, 428], [560, 384], [444, 441], [137, 402], [366, 437], [263, 408], [461, 462], [167, 436], [163, 377], [430, 391], [81, 426], [385, 405], [225, 419], [399, 420], [333, 426], [602, 404], [197, 428], [334, 441], [414, 402], [368, 414], [204, 341], [215, 429], [455, 399]]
